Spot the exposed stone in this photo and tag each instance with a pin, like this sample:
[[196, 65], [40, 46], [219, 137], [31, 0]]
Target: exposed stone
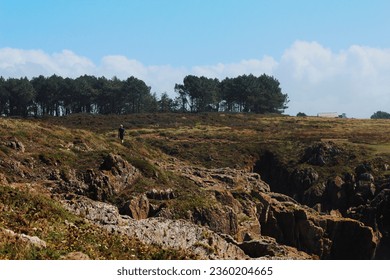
[[177, 234], [322, 153], [161, 194], [218, 219], [225, 178], [335, 194], [138, 208], [304, 178], [33, 240], [314, 195], [95, 211], [115, 175], [323, 235], [16, 145], [376, 214]]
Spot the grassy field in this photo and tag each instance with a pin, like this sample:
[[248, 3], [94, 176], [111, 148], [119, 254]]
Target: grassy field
[[238, 140]]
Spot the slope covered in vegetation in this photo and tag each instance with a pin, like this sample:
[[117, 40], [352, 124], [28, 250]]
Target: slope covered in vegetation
[[200, 168]]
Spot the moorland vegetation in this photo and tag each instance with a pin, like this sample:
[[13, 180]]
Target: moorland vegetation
[[278, 186]]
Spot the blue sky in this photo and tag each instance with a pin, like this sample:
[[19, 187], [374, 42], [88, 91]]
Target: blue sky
[[328, 55]]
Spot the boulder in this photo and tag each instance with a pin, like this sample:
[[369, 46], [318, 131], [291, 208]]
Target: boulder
[[335, 194], [138, 208], [314, 195], [16, 145], [121, 173]]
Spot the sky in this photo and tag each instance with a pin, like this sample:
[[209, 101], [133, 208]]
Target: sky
[[329, 56]]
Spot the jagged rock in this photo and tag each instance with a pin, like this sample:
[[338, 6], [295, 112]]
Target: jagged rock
[[224, 178], [16, 145], [177, 234], [336, 196], [314, 195], [323, 235], [180, 234], [376, 214], [304, 178], [138, 208], [366, 189], [226, 198], [121, 173], [98, 184], [95, 211], [115, 175], [161, 194], [219, 219], [321, 153]]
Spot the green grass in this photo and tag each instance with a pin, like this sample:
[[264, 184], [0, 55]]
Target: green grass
[[38, 215]]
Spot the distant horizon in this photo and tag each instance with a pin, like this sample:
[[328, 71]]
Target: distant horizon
[[328, 56]]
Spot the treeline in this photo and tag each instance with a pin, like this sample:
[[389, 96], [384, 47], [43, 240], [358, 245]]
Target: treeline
[[58, 96], [246, 93]]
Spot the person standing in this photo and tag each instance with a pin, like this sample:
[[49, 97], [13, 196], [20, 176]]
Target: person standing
[[121, 133]]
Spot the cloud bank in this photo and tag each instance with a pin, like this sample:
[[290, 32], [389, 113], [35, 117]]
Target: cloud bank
[[354, 81]]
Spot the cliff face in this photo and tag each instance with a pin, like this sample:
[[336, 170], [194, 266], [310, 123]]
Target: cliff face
[[209, 212]]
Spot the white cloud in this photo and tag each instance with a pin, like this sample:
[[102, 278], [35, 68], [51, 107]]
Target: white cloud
[[353, 81], [316, 78], [252, 66], [18, 63]]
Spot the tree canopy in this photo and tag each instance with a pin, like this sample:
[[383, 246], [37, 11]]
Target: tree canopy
[[245, 93], [380, 115], [58, 96]]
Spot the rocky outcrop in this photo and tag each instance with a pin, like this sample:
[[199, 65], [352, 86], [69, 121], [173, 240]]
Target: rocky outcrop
[[226, 178], [138, 208], [33, 240], [179, 234], [326, 236], [114, 175], [15, 144], [322, 153], [119, 172], [161, 194], [219, 219], [376, 214]]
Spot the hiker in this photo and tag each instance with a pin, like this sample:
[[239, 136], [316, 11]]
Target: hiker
[[121, 133]]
